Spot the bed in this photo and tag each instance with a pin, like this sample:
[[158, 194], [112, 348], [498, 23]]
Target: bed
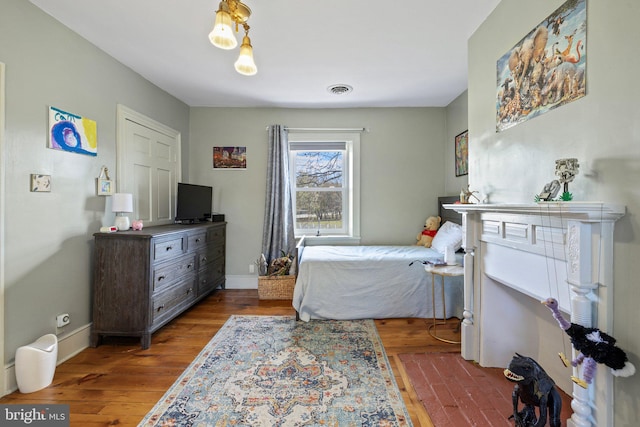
[[361, 282]]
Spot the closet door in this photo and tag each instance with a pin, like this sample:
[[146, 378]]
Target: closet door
[[148, 166]]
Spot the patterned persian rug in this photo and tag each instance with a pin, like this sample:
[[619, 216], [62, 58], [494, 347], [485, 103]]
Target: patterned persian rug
[[274, 371]]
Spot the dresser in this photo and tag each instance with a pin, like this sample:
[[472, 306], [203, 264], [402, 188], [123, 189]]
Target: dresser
[[144, 279]]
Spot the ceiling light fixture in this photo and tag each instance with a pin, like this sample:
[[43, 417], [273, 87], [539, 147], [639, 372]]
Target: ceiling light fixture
[[232, 12]]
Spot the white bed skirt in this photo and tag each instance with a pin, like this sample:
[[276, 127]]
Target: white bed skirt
[[378, 282]]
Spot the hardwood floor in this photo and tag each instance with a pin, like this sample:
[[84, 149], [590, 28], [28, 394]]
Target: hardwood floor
[[117, 383]]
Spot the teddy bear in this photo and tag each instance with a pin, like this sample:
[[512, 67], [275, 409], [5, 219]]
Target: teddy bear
[[431, 226]]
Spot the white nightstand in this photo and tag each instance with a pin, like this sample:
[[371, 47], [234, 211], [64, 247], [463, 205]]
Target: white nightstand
[[442, 271]]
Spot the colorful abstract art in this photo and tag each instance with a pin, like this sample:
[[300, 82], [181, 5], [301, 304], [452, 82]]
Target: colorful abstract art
[[276, 371], [72, 133], [546, 69]]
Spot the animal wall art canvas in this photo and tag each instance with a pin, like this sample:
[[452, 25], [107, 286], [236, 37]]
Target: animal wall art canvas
[[73, 133], [546, 69]]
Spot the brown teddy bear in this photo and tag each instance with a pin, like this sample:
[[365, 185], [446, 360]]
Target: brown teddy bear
[[431, 226]]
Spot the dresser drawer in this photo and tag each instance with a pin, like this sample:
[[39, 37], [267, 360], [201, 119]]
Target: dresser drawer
[[168, 248], [210, 255], [167, 273], [216, 234], [197, 240], [211, 276], [173, 299]]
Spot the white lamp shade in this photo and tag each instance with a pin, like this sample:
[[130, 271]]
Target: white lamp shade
[[122, 202], [245, 64], [222, 34]]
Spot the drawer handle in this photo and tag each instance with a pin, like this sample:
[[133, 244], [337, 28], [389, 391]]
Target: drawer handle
[[204, 258], [190, 265], [198, 240], [189, 291], [161, 278], [160, 307], [169, 248]]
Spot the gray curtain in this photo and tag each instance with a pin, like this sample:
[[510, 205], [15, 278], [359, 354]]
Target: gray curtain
[[277, 232]]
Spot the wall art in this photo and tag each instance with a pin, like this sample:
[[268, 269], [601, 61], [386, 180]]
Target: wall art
[[104, 185], [462, 153], [546, 69], [229, 157], [73, 133], [40, 183]]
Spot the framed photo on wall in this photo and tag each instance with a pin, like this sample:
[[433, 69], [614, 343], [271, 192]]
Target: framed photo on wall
[[462, 153], [230, 158]]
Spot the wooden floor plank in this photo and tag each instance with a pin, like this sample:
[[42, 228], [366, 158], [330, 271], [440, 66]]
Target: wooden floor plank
[[117, 383]]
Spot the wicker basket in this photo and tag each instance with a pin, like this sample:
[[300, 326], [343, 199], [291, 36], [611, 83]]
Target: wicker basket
[[276, 287]]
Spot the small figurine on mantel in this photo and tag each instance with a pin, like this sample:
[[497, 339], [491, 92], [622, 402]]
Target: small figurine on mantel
[[466, 195], [566, 171]]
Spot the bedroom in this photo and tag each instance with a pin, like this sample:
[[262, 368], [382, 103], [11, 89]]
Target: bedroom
[[601, 130]]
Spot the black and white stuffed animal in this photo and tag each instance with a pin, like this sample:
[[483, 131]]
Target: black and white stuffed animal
[[594, 346]]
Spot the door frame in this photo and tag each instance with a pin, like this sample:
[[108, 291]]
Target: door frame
[[2, 233]]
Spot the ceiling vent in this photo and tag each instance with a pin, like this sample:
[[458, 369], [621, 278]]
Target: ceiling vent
[[339, 89]]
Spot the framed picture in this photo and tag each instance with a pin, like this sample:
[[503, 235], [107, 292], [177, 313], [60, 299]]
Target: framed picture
[[104, 187], [40, 183], [462, 153], [229, 157]]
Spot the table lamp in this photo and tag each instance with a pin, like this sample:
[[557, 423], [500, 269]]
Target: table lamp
[[122, 203]]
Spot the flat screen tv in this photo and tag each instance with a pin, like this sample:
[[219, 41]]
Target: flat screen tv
[[193, 203]]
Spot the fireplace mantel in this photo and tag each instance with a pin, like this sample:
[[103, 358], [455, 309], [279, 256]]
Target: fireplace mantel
[[586, 211], [519, 254]]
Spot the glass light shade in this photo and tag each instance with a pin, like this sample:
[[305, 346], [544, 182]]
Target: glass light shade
[[245, 64], [222, 34], [122, 202]]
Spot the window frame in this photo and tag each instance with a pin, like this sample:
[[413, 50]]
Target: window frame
[[351, 181]]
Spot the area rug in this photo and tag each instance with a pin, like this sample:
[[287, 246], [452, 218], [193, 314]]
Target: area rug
[[276, 371], [457, 392]]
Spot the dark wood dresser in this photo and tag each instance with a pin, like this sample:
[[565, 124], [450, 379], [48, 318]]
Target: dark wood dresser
[[143, 279]]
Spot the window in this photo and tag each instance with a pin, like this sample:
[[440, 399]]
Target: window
[[324, 170]]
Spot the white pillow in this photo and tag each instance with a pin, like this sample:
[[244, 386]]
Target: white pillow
[[449, 234]]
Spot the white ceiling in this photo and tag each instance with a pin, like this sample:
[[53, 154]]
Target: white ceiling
[[410, 53]]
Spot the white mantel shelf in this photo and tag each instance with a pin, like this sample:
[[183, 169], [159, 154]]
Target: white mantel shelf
[[518, 254], [587, 211]]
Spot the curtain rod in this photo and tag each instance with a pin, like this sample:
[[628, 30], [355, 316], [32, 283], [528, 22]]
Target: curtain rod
[[324, 129]]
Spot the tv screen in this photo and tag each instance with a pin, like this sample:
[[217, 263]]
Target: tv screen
[[193, 202]]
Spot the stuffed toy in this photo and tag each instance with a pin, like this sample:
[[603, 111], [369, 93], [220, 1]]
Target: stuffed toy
[[431, 226]]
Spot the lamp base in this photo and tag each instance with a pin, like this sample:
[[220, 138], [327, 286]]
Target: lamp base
[[122, 222]]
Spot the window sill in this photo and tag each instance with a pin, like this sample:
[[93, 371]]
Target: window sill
[[330, 240]]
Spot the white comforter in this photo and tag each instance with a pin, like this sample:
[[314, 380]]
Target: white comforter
[[361, 282]]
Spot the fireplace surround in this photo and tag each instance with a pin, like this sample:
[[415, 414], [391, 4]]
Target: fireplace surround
[[519, 254]]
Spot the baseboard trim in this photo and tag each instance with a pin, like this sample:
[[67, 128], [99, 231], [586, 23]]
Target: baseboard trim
[[69, 345], [247, 281], [75, 341]]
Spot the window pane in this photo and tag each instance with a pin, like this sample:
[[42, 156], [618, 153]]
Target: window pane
[[318, 210], [319, 169]]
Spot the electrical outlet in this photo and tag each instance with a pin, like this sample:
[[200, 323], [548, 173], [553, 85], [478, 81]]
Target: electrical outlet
[[252, 268], [62, 320]]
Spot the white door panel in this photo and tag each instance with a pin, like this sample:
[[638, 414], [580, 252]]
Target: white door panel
[[148, 166]]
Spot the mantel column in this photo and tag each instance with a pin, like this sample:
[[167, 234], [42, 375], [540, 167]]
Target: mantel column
[[469, 345], [590, 280]]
